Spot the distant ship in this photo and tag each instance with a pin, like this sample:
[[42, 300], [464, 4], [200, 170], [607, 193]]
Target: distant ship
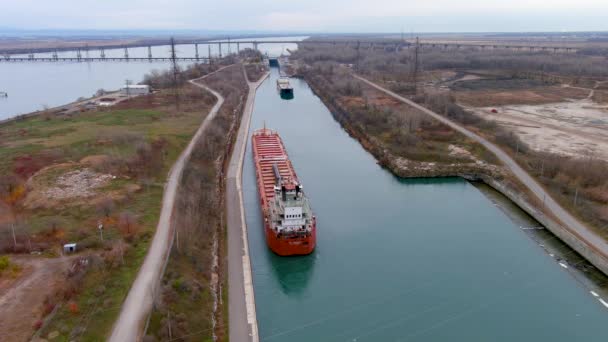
[[289, 223], [284, 87], [3, 94]]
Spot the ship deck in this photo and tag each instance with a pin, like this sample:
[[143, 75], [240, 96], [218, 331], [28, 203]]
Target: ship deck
[[268, 150]]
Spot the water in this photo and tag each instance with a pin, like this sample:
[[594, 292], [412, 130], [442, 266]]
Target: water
[[397, 260], [34, 86]]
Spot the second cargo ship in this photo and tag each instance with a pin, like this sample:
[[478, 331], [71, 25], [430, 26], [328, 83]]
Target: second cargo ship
[[289, 223]]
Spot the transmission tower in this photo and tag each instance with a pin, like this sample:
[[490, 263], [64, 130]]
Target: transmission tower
[[416, 65], [358, 55], [175, 73]]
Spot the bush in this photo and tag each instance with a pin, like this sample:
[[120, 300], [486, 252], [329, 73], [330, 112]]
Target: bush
[[5, 262]]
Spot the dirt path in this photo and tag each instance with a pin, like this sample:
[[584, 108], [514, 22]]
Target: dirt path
[[21, 303], [137, 305], [573, 225]]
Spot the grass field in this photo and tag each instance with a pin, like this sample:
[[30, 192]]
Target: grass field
[[136, 143]]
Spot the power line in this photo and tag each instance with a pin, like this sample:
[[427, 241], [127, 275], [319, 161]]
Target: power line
[[175, 73], [415, 71]]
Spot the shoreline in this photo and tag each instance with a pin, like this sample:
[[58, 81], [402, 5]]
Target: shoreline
[[57, 109], [495, 181]]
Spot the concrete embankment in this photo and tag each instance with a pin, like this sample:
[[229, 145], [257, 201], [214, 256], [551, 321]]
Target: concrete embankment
[[575, 242], [241, 301]]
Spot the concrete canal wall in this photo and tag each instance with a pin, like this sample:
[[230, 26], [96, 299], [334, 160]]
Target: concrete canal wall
[[575, 242]]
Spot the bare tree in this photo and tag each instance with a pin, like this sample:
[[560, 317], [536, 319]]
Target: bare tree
[[127, 223], [105, 207]]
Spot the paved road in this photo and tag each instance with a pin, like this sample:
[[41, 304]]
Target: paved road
[[129, 326], [241, 302], [571, 223]]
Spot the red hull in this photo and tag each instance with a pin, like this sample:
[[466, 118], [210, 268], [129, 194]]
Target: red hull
[[268, 150], [291, 246]]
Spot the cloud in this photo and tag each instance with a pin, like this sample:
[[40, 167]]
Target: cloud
[[311, 15]]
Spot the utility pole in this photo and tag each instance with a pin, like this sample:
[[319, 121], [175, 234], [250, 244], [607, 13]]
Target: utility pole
[[576, 196], [542, 168], [100, 227], [358, 55], [175, 72], [169, 322], [416, 62], [14, 237], [127, 84]]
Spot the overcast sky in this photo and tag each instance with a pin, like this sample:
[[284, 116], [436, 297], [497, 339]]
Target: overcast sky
[[309, 15]]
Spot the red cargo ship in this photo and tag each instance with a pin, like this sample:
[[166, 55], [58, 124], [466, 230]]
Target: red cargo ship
[[289, 223]]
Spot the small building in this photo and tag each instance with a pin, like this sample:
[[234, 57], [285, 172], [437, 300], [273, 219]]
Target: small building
[[135, 89], [69, 248]]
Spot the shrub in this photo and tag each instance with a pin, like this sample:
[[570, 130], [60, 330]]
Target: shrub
[[5, 262]]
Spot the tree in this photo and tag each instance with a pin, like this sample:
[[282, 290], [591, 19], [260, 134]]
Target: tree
[[127, 223], [105, 207]]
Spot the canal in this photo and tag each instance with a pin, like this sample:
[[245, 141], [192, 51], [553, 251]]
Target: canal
[[401, 260]]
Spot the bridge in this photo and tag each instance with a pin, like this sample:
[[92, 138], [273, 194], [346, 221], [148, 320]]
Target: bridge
[[104, 59], [357, 44]]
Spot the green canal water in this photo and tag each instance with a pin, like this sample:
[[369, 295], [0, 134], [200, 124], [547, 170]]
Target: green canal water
[[401, 260]]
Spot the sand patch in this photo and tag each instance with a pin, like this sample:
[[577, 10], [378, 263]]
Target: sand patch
[[68, 183], [575, 128]]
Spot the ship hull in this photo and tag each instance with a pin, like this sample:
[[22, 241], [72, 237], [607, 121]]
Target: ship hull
[[290, 246], [286, 94], [265, 149]]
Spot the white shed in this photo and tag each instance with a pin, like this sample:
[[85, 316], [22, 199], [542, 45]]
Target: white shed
[[69, 248], [135, 89]]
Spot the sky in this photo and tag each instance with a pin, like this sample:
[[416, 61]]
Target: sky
[[309, 15]]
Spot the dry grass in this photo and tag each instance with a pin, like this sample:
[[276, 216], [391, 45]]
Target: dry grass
[[400, 137], [540, 95], [601, 96]]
